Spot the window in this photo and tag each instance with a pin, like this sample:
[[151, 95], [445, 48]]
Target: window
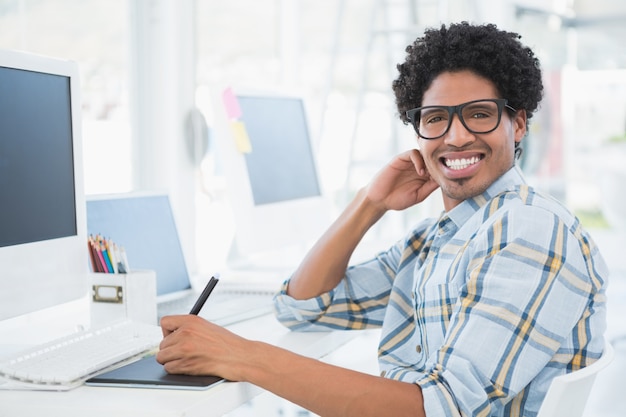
[[95, 34]]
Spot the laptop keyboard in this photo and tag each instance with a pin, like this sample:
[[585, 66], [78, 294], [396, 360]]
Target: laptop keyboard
[[180, 305], [223, 308]]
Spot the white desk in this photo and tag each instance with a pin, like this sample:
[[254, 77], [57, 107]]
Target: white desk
[[216, 401]]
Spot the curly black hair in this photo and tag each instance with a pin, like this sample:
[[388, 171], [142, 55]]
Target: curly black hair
[[486, 50]]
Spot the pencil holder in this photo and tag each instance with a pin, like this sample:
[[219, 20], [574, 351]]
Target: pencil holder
[[123, 296]]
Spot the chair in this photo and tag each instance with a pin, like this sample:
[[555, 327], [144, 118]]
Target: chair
[[568, 393]]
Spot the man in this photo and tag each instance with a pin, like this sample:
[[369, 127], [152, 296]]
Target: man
[[481, 308]]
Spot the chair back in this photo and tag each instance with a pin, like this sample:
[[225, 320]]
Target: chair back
[[568, 393]]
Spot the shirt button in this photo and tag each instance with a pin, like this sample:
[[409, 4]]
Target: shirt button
[[418, 348], [383, 373]]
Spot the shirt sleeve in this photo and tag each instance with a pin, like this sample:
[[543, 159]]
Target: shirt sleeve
[[525, 298], [358, 302]]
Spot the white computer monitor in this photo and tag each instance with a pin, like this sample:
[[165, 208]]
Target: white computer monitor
[[265, 149], [42, 208]]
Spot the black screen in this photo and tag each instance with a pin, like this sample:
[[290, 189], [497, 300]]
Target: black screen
[[36, 157], [281, 165]]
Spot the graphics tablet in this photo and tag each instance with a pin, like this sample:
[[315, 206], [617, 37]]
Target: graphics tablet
[[148, 373]]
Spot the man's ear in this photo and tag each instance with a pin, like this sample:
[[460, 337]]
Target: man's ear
[[520, 124]]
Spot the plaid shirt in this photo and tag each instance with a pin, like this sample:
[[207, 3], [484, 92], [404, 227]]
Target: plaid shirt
[[482, 307]]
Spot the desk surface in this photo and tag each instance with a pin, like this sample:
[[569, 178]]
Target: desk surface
[[216, 401]]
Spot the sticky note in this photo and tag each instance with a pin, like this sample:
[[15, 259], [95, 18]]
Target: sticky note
[[233, 111], [242, 141]]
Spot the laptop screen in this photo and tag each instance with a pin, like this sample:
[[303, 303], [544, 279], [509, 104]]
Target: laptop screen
[[144, 225]]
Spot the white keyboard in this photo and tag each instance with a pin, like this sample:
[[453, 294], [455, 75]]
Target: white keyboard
[[224, 307], [67, 362], [229, 309]]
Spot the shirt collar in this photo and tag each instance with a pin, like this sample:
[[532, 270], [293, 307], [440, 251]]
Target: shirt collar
[[508, 181]]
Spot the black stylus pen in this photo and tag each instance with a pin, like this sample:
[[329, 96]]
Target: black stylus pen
[[203, 297]]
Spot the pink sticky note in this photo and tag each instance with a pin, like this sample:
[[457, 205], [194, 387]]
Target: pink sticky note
[[233, 111]]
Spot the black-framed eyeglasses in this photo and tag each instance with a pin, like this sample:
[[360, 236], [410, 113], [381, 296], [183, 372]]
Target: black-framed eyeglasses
[[478, 116]]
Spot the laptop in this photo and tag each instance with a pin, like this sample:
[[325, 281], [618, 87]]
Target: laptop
[[145, 226]]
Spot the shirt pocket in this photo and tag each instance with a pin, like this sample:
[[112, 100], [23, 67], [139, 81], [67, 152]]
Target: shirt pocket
[[435, 312]]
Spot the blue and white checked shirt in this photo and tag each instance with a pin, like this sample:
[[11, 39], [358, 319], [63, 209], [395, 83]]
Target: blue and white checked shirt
[[482, 307]]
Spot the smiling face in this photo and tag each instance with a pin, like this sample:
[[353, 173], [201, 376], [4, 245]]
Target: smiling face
[[465, 164]]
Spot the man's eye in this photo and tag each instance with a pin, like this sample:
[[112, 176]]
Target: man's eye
[[434, 119], [479, 115], [479, 112]]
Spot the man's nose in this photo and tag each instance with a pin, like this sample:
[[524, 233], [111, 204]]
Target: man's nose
[[458, 135]]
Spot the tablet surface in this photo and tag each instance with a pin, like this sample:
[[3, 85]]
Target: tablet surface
[[148, 373]]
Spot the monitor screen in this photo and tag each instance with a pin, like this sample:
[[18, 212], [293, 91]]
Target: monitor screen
[[42, 221], [36, 157], [279, 139]]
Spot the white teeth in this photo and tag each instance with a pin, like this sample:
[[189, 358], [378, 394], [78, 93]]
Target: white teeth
[[462, 163]]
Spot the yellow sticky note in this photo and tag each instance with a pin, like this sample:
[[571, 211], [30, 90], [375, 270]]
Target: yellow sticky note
[[242, 141]]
